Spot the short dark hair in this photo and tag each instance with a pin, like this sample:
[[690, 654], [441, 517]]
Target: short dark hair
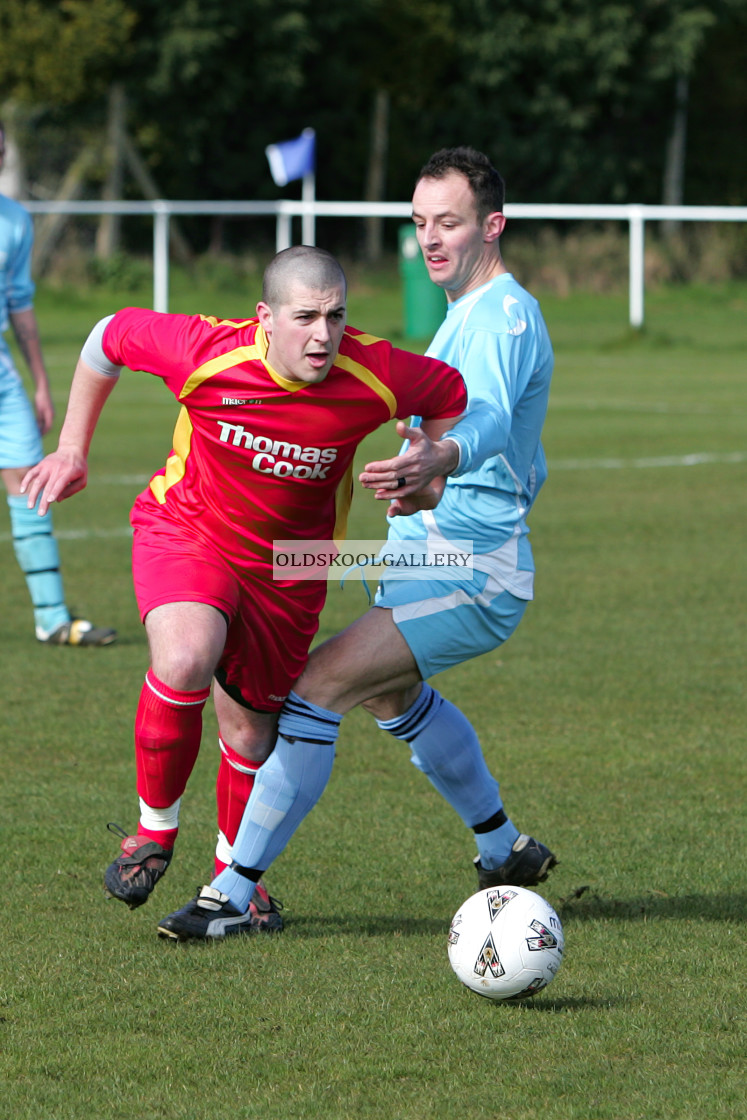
[[486, 184], [314, 267]]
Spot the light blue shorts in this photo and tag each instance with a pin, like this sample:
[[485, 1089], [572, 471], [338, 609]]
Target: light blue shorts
[[446, 623], [20, 441]]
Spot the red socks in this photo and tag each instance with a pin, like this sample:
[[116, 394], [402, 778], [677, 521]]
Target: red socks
[[168, 729], [233, 785]]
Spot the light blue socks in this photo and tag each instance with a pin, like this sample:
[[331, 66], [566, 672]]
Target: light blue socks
[[287, 786], [446, 749], [38, 555]]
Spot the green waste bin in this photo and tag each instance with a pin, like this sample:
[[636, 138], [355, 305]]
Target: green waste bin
[[424, 302]]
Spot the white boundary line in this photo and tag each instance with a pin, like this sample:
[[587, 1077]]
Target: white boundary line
[[81, 534], [696, 459]]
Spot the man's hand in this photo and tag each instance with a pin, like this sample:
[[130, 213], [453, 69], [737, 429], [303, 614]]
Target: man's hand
[[413, 472], [56, 477], [427, 498]]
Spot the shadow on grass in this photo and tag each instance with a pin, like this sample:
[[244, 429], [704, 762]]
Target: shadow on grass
[[642, 338], [586, 904], [349, 925], [570, 1004], [582, 905], [374, 925], [579, 906]]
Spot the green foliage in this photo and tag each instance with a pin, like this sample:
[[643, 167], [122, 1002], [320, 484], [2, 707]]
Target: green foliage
[[120, 272], [614, 718], [207, 79], [585, 258], [588, 258], [575, 91], [573, 101], [60, 52]]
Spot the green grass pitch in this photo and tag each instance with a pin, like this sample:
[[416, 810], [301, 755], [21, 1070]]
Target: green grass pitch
[[614, 718]]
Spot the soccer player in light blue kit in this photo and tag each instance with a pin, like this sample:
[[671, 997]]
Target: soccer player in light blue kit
[[20, 436], [495, 335]]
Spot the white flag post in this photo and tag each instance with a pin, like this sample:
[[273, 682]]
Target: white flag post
[[296, 159], [308, 194]]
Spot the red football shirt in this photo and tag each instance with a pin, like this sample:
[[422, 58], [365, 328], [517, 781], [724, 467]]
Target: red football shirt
[[256, 457]]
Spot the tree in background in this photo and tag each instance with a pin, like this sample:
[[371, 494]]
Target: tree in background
[[576, 102], [61, 52], [58, 54]]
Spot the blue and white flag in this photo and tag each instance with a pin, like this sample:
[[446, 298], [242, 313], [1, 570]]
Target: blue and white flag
[[292, 159]]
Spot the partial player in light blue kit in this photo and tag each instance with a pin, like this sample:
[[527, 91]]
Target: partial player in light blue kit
[[497, 337], [494, 467], [21, 429]]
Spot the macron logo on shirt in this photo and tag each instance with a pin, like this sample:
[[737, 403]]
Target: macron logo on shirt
[[279, 457]]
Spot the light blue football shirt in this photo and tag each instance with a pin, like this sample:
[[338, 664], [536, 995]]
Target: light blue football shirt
[[497, 338], [16, 286]]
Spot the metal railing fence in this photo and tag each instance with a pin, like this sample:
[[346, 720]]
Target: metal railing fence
[[284, 210]]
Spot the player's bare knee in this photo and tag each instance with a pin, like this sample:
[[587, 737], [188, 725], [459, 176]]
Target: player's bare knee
[[390, 705], [250, 741], [184, 667], [12, 477]]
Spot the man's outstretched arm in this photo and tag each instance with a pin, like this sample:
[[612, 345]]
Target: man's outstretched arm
[[65, 471], [423, 467]]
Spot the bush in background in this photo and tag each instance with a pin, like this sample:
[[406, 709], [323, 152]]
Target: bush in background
[[545, 257]]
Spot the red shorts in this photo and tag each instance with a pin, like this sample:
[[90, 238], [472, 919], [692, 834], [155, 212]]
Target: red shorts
[[271, 624]]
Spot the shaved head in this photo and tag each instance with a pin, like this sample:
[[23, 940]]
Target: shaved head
[[302, 313], [303, 265]]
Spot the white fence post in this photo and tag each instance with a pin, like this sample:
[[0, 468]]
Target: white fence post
[[283, 234], [636, 269], [308, 227], [160, 255]]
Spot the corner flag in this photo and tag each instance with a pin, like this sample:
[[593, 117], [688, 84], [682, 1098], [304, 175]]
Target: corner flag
[[292, 159]]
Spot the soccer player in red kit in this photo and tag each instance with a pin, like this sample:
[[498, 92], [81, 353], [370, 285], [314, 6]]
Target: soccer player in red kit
[[273, 409]]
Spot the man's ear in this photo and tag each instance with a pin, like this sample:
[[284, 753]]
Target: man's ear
[[494, 226], [264, 314]]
